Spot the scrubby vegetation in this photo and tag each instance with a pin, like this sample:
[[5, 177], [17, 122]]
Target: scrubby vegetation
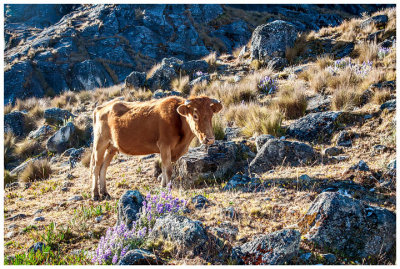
[[257, 100]]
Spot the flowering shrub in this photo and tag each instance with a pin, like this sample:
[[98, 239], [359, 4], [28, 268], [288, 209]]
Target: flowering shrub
[[267, 85], [382, 52], [119, 239], [359, 69]]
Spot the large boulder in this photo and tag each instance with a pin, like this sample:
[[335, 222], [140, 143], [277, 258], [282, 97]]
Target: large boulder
[[194, 66], [342, 224], [320, 126], [262, 139], [14, 122], [281, 152], [204, 162], [57, 115], [276, 248], [271, 39], [40, 132], [129, 207], [189, 236], [62, 139], [135, 80], [379, 21], [164, 74]]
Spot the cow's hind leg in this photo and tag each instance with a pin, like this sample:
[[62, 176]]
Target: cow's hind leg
[[110, 153], [166, 164]]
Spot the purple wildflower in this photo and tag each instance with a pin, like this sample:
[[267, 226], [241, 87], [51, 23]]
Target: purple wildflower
[[115, 259]]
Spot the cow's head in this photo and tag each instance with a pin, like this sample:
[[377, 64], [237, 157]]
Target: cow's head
[[198, 112]]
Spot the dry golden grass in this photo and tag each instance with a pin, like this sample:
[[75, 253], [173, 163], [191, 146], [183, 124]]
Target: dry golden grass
[[218, 127], [137, 95], [211, 59], [381, 96], [36, 170], [9, 147], [319, 80], [8, 109], [85, 96], [346, 98], [324, 61], [367, 51], [85, 159], [152, 70], [198, 88], [36, 112], [255, 119], [299, 47], [291, 101], [66, 98], [27, 148], [8, 178], [181, 85]]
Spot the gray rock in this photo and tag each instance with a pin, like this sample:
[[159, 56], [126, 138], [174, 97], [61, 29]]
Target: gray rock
[[345, 50], [230, 212], [360, 166], [38, 219], [191, 67], [278, 63], [340, 158], [161, 94], [318, 103], [271, 39], [17, 217], [232, 132], [164, 74], [204, 162], [140, 257], [41, 131], [344, 139], [276, 248], [278, 152], [57, 115], [90, 75], [203, 78], [14, 185], [243, 182], [392, 165], [61, 140], [339, 223], [39, 246], [305, 256], [262, 139], [329, 257], [200, 202], [320, 126], [64, 189], [99, 218], [129, 206], [226, 231], [389, 105], [332, 151], [14, 122], [13, 226], [184, 232], [379, 21], [38, 211], [135, 80], [76, 198]]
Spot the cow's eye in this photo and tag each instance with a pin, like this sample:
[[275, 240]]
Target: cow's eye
[[195, 117]]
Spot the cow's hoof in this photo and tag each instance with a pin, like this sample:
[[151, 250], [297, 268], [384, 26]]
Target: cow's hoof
[[96, 198], [107, 196]]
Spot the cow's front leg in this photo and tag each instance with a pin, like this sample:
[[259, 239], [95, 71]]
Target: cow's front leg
[[166, 167]]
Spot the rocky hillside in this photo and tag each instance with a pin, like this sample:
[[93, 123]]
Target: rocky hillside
[[55, 48], [303, 170]]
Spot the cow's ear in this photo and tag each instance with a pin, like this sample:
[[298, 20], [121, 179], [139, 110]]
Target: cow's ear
[[183, 110], [216, 107]]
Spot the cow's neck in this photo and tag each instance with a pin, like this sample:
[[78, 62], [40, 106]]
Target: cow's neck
[[188, 135]]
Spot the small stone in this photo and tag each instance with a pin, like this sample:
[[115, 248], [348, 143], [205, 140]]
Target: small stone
[[392, 164], [14, 185], [38, 211], [37, 246], [16, 217], [230, 212], [98, 218], [150, 156], [305, 178], [330, 258], [332, 151], [340, 158], [70, 176], [76, 198], [305, 256], [12, 226], [9, 235], [39, 219], [200, 201], [361, 166], [344, 139], [64, 189]]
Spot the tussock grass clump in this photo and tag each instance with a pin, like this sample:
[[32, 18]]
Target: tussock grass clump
[[218, 127], [366, 51], [36, 170], [67, 98], [319, 80], [8, 178], [381, 97], [181, 85], [85, 96], [85, 159], [291, 101], [324, 61], [255, 119], [299, 47], [211, 59], [137, 95], [346, 99], [9, 147], [152, 70], [27, 148], [36, 112]]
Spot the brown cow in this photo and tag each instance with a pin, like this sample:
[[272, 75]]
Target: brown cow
[[165, 126]]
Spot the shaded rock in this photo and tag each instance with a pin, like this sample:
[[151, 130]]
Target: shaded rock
[[375, 36], [344, 139], [318, 103], [199, 201], [305, 256], [90, 75], [39, 246], [41, 131], [332, 151], [389, 105], [262, 139], [98, 218], [345, 50], [9, 235], [191, 67], [276, 248], [271, 39], [161, 94], [14, 122], [140, 257], [361, 166], [243, 182], [57, 115], [203, 78], [392, 165], [226, 231], [281, 152], [320, 126], [17, 217], [379, 21], [339, 223], [14, 185], [231, 132], [278, 63], [38, 219], [329, 257], [76, 198], [214, 161], [164, 74], [184, 232], [129, 206], [62, 139], [135, 80]]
